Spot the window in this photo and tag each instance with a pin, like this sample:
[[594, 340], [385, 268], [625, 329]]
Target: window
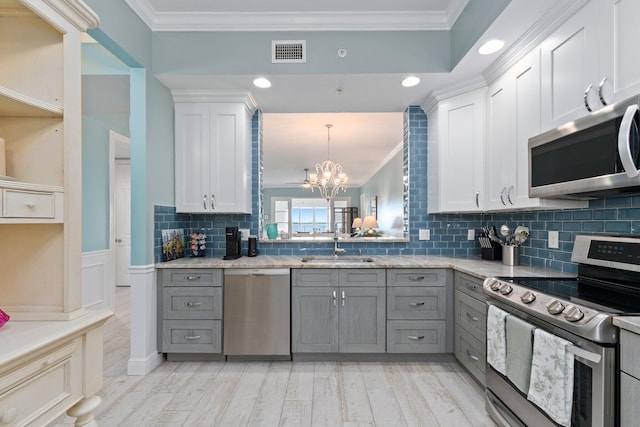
[[304, 215]]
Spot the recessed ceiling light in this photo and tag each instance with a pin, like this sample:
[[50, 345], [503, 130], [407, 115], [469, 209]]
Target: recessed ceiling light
[[410, 81], [490, 47], [261, 82]]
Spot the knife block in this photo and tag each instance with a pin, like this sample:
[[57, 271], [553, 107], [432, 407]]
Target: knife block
[[493, 253]]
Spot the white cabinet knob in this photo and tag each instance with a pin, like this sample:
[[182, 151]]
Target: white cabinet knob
[[30, 205]]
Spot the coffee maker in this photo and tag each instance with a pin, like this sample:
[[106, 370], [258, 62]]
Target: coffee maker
[[233, 238]]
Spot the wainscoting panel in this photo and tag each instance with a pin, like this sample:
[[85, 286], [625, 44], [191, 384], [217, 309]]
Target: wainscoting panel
[[97, 283]]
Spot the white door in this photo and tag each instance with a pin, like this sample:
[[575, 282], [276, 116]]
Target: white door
[[123, 222]]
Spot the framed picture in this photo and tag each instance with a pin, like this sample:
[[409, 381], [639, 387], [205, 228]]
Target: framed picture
[[373, 207], [173, 245]]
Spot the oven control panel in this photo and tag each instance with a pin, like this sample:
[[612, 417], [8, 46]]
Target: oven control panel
[[569, 315]]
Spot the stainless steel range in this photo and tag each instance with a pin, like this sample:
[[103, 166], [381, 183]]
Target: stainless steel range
[[578, 311]]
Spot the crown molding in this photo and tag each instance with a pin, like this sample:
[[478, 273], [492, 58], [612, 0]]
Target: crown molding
[[298, 21], [456, 89], [397, 149], [220, 96], [550, 21]]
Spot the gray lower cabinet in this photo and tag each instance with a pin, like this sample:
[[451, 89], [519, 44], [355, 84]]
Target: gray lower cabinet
[[338, 311], [190, 310], [629, 379], [470, 311], [417, 307]]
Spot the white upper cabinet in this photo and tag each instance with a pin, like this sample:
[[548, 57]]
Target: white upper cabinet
[[569, 64], [619, 61], [594, 52], [213, 157], [513, 116], [459, 146]]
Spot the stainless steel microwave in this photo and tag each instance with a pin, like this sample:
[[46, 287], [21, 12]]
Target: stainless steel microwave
[[597, 155]]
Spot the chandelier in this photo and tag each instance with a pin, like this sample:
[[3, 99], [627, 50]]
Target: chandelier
[[329, 178]]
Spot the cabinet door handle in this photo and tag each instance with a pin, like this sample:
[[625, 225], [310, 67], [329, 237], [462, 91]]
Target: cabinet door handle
[[472, 318], [477, 199], [502, 196], [600, 86], [472, 357], [416, 304], [509, 195], [192, 337], [415, 337], [585, 97], [192, 304], [213, 202], [191, 277], [344, 296], [204, 202], [416, 278], [335, 298]]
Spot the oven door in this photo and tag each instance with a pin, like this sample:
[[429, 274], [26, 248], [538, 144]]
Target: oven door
[[594, 387]]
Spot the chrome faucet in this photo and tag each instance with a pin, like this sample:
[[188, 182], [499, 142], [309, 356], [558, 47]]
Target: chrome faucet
[[336, 250]]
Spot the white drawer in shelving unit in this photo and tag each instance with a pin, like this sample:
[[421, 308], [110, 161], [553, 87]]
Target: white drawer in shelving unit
[[52, 381], [28, 204]]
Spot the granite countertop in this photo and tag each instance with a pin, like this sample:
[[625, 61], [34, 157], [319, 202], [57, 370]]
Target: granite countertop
[[473, 266]]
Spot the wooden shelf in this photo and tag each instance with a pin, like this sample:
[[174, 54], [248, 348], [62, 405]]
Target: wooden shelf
[[14, 104]]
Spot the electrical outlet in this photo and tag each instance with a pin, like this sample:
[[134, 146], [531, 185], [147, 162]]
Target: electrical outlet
[[424, 234], [553, 240], [471, 234], [245, 234]]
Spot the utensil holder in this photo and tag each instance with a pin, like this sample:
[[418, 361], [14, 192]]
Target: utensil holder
[[510, 255]]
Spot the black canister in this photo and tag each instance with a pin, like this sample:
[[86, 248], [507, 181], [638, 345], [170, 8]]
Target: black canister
[[252, 249]]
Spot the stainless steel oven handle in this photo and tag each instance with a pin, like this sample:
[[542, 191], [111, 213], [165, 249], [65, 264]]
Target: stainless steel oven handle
[[624, 141], [581, 352]]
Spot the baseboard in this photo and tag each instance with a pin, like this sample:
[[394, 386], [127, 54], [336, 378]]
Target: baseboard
[[144, 366]]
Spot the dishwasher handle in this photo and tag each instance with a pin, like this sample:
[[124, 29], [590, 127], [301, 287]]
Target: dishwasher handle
[[253, 272]]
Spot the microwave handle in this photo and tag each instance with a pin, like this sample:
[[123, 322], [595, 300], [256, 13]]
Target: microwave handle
[[624, 141]]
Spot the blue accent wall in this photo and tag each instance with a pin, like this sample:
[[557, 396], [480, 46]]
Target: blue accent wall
[[620, 215]]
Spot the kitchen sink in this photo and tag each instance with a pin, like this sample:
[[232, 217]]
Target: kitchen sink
[[335, 259]]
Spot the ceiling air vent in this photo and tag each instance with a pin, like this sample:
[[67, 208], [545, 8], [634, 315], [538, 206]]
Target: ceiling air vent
[[288, 51]]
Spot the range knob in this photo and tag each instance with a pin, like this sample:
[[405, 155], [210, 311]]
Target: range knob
[[555, 307], [505, 289], [495, 285], [527, 297], [573, 314]]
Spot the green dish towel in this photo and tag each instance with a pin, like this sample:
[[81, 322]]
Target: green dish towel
[[519, 352]]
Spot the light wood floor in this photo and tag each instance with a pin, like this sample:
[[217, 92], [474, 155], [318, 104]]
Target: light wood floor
[[281, 393]]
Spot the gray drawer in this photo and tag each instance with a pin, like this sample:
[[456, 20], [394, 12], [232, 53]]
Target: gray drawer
[[470, 285], [629, 351], [314, 277], [629, 397], [471, 353], [192, 336], [417, 277], [416, 336], [471, 315], [191, 277], [416, 302], [200, 302], [361, 277]]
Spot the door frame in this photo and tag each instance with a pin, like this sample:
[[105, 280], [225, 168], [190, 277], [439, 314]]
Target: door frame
[[114, 138]]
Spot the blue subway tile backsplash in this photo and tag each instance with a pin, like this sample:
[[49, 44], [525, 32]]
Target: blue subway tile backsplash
[[616, 215]]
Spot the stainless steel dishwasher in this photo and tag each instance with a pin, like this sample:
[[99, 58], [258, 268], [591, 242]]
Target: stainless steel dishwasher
[[257, 312]]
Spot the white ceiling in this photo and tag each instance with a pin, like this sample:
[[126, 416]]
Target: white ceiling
[[335, 94]]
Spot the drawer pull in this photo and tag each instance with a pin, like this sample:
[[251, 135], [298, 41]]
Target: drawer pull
[[472, 318], [416, 304], [192, 337], [472, 357], [472, 286], [415, 337], [191, 304], [30, 205], [416, 278], [191, 277]]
